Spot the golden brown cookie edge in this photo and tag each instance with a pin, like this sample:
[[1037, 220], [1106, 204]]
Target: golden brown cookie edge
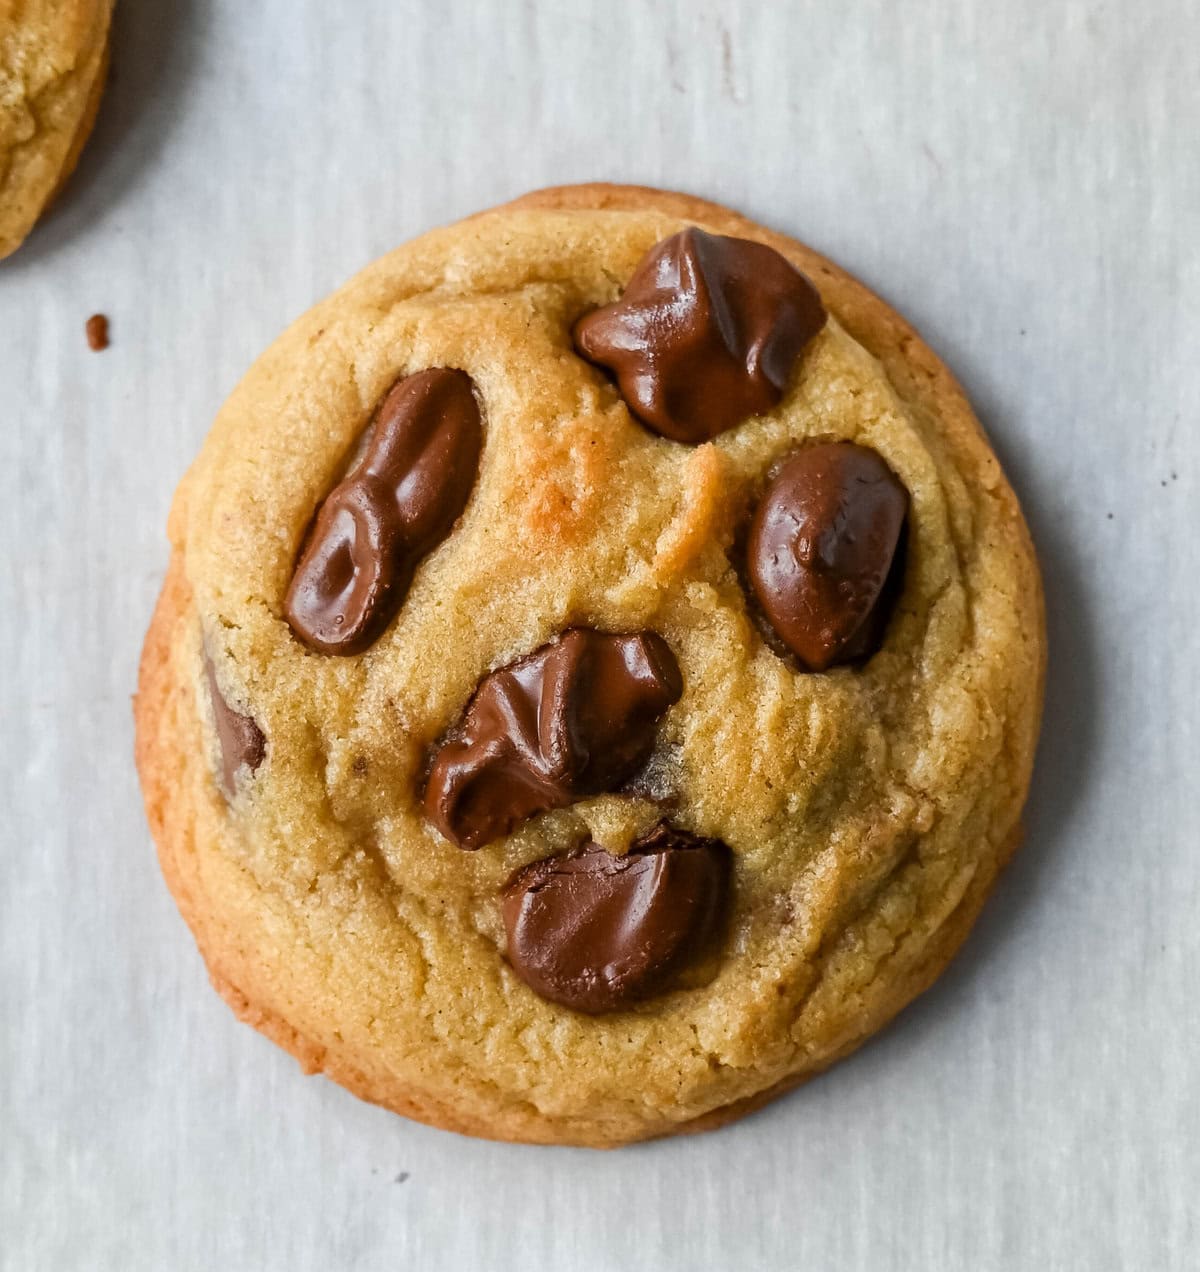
[[79, 138]]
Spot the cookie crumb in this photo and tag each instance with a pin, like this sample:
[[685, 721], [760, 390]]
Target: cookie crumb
[[97, 332]]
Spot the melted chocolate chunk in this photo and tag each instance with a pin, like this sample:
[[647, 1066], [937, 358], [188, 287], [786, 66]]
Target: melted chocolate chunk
[[705, 334], [821, 548], [239, 737], [397, 504], [596, 932], [572, 719]]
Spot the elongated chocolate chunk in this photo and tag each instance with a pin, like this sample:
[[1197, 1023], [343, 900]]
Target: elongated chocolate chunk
[[596, 932], [705, 334], [396, 505], [822, 547], [572, 719], [240, 739]]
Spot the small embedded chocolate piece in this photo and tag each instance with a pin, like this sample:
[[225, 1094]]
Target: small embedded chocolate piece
[[572, 719], [706, 333], [399, 502], [239, 737], [822, 544], [596, 932], [96, 329]]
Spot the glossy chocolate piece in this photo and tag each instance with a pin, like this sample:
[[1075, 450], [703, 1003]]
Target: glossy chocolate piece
[[706, 333], [596, 932], [240, 739], [572, 719], [399, 502], [822, 545]]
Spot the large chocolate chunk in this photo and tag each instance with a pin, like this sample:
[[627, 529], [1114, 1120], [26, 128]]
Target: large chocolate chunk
[[822, 545], [240, 739], [596, 932], [572, 719], [396, 505], [705, 334]]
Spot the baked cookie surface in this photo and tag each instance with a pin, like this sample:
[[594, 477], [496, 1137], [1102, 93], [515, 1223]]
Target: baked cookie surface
[[439, 864], [53, 61]]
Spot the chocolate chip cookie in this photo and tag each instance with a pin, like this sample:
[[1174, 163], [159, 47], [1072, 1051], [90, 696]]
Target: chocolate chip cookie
[[597, 677], [53, 60]]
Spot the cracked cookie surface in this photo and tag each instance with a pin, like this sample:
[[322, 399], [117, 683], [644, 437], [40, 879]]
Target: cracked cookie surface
[[867, 808], [53, 60]]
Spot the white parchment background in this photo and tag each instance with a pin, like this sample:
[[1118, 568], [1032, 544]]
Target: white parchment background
[[1023, 180]]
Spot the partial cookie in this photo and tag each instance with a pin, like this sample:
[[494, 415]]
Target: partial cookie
[[53, 61], [598, 674]]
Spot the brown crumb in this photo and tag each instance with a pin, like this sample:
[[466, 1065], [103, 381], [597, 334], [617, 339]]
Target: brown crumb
[[97, 332]]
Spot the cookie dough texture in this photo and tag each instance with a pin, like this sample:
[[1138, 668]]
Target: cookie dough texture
[[53, 60], [868, 809]]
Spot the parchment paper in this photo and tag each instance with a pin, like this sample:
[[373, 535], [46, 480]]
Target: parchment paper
[[1022, 180]]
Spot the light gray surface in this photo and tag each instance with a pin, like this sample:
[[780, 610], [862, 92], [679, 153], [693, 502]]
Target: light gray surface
[[1022, 180]]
